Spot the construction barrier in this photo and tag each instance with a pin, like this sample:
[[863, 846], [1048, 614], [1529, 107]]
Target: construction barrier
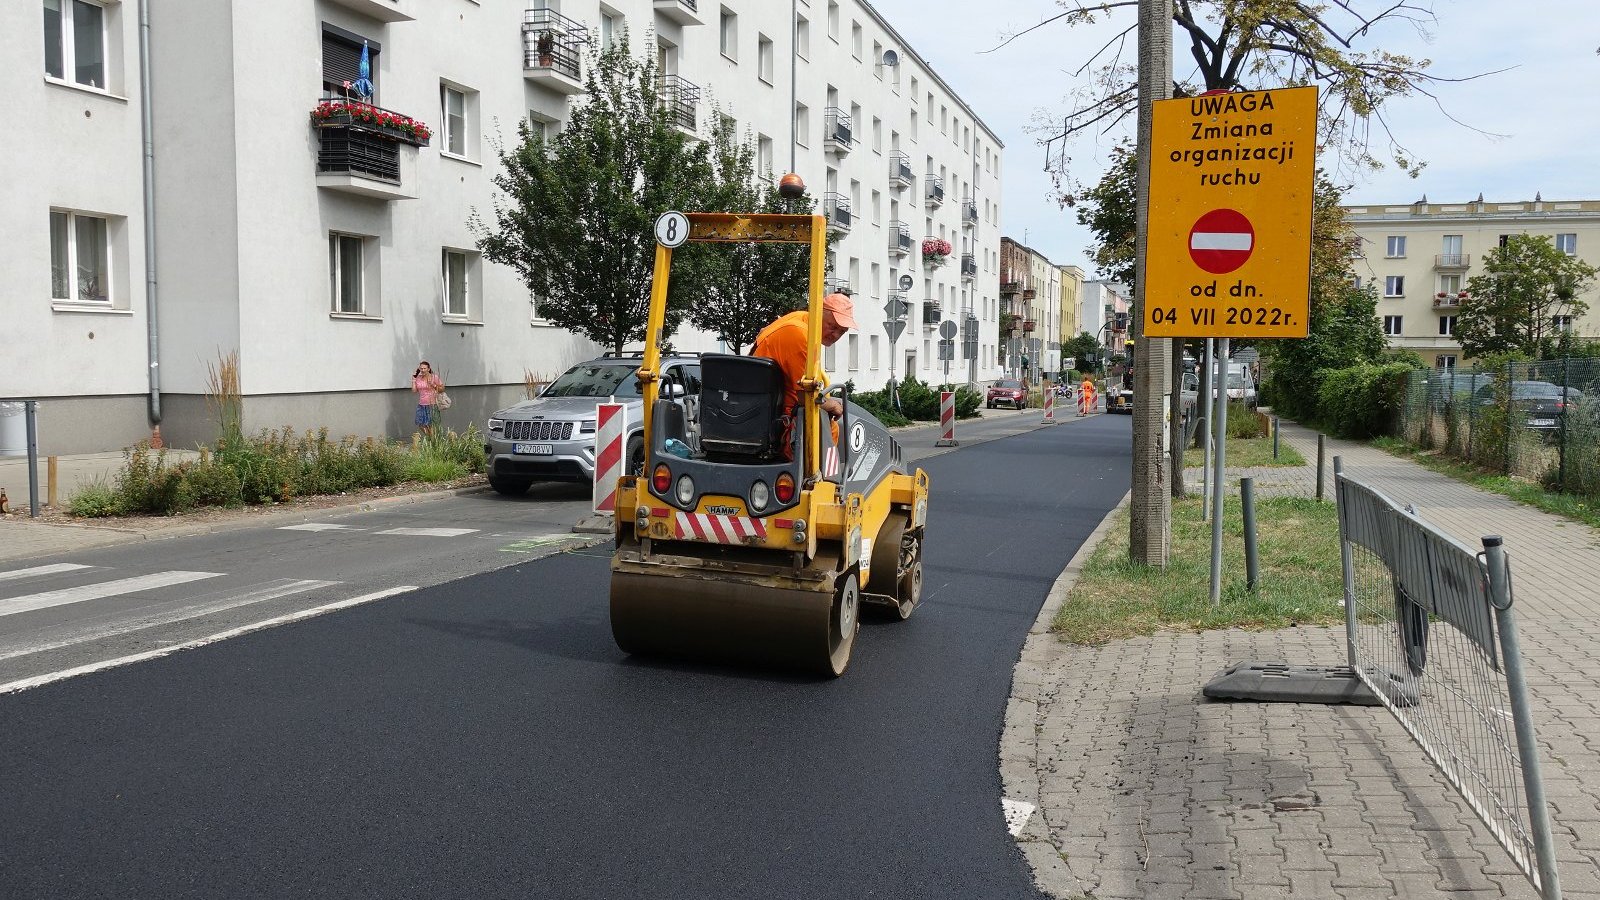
[[947, 419], [1049, 405], [608, 460]]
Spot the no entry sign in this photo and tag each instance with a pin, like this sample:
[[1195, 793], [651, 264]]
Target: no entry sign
[[1231, 179]]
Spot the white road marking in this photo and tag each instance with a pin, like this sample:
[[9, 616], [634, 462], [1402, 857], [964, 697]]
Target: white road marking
[[1017, 813], [83, 632], [38, 571], [1220, 240], [38, 680], [429, 532], [29, 602], [318, 526]]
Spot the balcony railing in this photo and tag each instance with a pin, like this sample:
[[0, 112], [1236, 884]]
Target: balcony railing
[[1452, 261], [935, 189], [360, 149], [835, 285], [1029, 293], [969, 266], [1010, 287], [1449, 299], [354, 151], [1029, 325], [930, 312], [837, 208], [551, 49], [900, 242], [900, 169], [969, 211], [682, 98], [837, 130], [904, 307]]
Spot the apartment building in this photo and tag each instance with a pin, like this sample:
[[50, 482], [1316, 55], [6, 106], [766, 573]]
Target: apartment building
[[1105, 313], [1030, 291], [332, 254], [1071, 304], [1421, 257]]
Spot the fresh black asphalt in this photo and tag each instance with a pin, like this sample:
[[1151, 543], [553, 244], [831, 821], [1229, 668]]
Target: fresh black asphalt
[[485, 738]]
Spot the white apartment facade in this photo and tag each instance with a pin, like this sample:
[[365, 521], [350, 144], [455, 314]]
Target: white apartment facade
[[332, 261], [1421, 256]]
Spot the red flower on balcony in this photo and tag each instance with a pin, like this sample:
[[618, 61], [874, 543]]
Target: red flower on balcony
[[342, 112], [936, 250]]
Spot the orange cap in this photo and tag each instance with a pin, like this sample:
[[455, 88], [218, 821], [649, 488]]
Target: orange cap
[[843, 310]]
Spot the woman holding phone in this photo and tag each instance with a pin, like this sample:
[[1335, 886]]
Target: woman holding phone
[[427, 386]]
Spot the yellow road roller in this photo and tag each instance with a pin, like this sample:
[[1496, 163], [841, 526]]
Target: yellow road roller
[[758, 533]]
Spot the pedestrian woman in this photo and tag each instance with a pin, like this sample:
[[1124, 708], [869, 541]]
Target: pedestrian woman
[[427, 386]]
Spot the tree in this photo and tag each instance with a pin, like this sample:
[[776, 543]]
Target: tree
[[1512, 307], [1081, 348], [745, 286], [575, 219], [1108, 210]]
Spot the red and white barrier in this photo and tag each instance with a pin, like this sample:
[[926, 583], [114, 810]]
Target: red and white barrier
[[719, 529], [608, 462], [947, 419], [1049, 405]]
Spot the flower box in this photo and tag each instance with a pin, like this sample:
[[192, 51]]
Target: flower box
[[936, 251], [373, 119]]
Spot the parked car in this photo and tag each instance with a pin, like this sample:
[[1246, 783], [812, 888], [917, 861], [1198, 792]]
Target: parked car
[[1241, 383], [1447, 388], [1539, 405], [1010, 391], [551, 437]]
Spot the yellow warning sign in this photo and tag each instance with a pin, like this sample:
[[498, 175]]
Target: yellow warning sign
[[1231, 179]]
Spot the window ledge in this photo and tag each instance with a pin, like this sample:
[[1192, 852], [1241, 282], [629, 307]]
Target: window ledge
[[95, 309], [460, 320], [355, 317], [84, 88], [445, 154], [732, 59], [768, 82]]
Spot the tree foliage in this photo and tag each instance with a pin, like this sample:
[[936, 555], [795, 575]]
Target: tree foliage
[[576, 213], [1081, 348], [1109, 210], [1511, 308]]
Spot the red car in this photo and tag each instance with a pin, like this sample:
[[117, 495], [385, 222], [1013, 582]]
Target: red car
[[1009, 391]]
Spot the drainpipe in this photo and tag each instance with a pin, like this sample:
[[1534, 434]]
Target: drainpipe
[[152, 322], [794, 68]]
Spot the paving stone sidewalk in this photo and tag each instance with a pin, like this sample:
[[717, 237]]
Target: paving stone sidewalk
[[1145, 790]]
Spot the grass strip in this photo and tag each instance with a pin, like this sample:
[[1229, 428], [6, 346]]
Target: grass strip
[[1298, 547], [1568, 506], [1248, 452]]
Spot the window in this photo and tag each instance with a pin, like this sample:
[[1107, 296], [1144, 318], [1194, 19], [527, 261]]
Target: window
[[1451, 246], [913, 89], [1567, 243], [854, 358], [345, 262], [1561, 323], [341, 60], [80, 258], [1450, 284], [610, 27], [453, 102], [1445, 361], [913, 131], [877, 135], [1394, 286], [1396, 246], [833, 21], [1505, 239], [1391, 325], [944, 116], [1447, 326], [877, 69], [855, 40], [802, 37], [75, 42], [764, 157], [830, 358], [730, 34], [454, 270], [802, 124], [877, 207], [764, 57], [872, 352]]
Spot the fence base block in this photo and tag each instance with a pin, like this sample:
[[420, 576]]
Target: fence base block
[[598, 523], [1280, 683]]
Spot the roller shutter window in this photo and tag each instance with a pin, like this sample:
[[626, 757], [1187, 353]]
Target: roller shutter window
[[341, 60]]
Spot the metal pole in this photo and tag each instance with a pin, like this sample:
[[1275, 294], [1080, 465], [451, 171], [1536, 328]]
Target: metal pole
[[1247, 499], [1319, 466], [1510, 414], [1500, 596], [1347, 566], [30, 410], [1275, 428], [1561, 458], [1217, 479], [1208, 403]]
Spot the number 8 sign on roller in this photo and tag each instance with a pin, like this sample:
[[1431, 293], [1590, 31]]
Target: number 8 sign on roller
[[672, 229]]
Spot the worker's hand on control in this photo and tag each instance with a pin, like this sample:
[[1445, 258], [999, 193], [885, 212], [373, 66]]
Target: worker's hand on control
[[833, 406]]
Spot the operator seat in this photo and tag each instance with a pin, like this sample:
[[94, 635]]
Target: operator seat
[[741, 407]]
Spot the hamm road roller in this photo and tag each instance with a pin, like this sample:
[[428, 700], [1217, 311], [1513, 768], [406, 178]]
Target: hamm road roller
[[754, 532]]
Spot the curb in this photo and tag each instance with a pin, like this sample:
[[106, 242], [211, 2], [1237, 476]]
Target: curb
[[1019, 747]]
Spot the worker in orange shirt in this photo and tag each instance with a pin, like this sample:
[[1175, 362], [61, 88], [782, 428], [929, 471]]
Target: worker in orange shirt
[[784, 342]]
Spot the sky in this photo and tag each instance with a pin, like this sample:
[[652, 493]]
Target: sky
[[1532, 128]]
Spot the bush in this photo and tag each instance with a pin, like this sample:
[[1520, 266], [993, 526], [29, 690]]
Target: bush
[[147, 484], [1244, 422], [879, 404], [1362, 401], [94, 501], [213, 484]]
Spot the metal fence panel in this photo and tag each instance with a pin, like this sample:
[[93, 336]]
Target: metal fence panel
[[1422, 634]]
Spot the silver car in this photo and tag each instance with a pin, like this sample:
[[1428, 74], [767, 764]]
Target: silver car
[[551, 437]]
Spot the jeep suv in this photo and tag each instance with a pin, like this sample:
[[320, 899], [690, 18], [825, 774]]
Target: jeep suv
[[551, 437]]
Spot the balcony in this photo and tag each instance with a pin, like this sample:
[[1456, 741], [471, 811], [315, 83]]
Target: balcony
[[682, 98], [1452, 261], [684, 12], [837, 208], [366, 150], [900, 242], [969, 267], [552, 55], [383, 10], [1449, 299], [969, 213], [835, 285], [900, 174], [935, 251], [1011, 286], [1029, 293], [836, 131], [1029, 325], [934, 190], [930, 313], [904, 305]]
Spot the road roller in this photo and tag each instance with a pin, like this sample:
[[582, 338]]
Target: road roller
[[753, 532]]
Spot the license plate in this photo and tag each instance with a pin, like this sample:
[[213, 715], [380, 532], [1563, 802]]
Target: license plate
[[1542, 423], [533, 449]]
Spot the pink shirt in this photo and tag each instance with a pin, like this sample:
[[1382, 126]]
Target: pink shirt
[[426, 388]]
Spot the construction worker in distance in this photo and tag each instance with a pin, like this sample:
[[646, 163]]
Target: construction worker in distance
[[784, 342]]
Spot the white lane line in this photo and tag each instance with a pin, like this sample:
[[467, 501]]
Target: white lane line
[[38, 680], [429, 532], [87, 632], [29, 602], [1017, 814], [38, 571], [319, 526]]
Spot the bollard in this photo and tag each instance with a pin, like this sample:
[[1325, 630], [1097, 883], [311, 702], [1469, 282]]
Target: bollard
[[1050, 407], [947, 420], [32, 413], [1319, 468], [1247, 498], [50, 482], [1275, 428], [610, 426]]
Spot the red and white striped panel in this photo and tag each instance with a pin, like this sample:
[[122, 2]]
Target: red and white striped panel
[[947, 414], [612, 424], [719, 529], [830, 462]]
